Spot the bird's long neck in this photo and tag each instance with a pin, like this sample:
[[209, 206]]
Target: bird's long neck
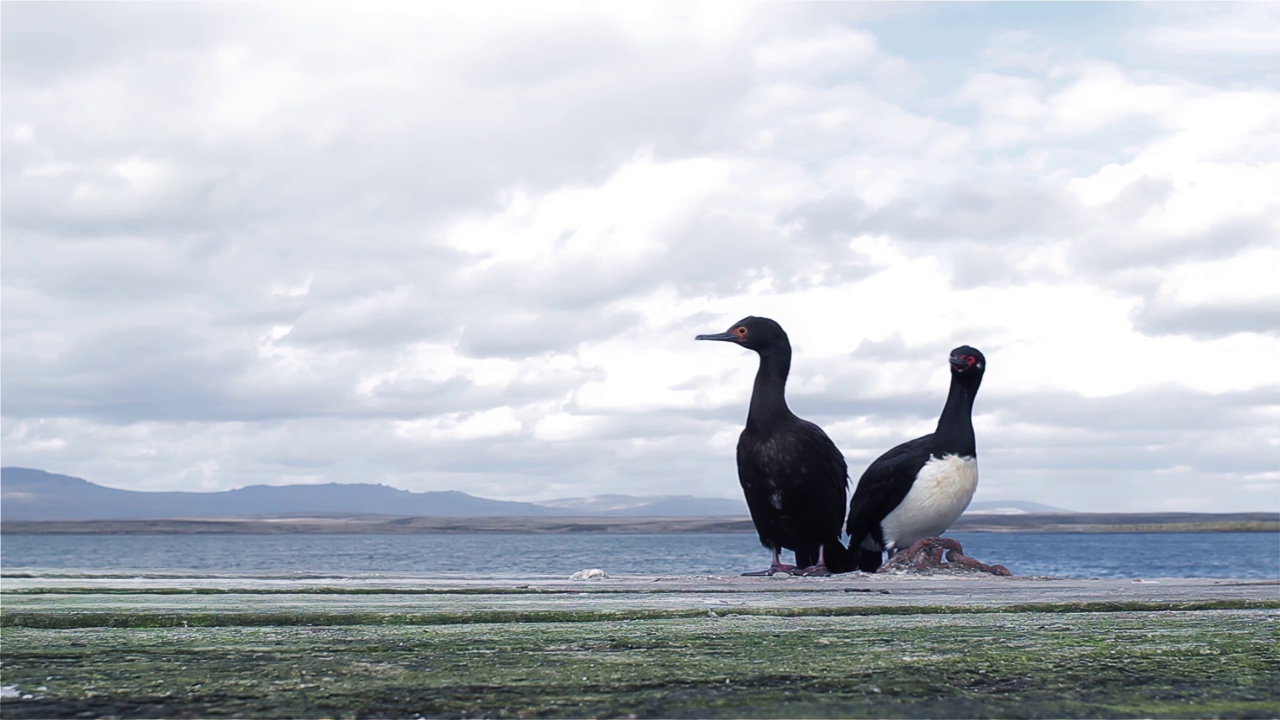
[[955, 427], [768, 398]]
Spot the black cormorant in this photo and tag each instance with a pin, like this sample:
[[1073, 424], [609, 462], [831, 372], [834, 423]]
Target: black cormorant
[[794, 477]]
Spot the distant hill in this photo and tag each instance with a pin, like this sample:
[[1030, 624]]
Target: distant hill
[[652, 506], [37, 495], [1011, 507]]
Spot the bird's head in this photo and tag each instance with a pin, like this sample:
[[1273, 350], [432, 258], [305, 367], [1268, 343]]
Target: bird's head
[[968, 363], [755, 333]]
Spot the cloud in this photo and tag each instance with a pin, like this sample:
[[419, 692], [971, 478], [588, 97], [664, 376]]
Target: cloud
[[1218, 297], [1250, 30], [451, 248]]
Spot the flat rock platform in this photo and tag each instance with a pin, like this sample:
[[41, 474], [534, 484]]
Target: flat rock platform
[[156, 644]]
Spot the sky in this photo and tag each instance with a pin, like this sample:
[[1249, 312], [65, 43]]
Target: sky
[[467, 246]]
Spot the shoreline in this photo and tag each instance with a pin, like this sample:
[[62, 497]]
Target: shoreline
[[399, 525]]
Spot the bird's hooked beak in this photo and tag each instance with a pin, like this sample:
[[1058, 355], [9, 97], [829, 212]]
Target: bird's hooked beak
[[724, 336], [958, 362]]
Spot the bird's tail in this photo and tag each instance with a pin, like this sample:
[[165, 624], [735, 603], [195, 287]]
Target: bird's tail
[[839, 558], [866, 560]]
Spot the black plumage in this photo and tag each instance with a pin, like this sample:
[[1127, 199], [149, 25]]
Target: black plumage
[[917, 489], [794, 478]]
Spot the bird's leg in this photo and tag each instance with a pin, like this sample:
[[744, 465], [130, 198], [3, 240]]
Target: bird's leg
[[818, 569], [777, 566]]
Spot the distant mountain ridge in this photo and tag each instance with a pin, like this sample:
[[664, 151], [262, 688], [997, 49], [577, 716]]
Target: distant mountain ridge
[[664, 506], [36, 495], [30, 494], [1011, 507]]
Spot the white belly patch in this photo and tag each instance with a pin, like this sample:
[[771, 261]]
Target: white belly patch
[[941, 492]]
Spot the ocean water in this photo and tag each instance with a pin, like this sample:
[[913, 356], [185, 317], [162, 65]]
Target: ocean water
[[1104, 555]]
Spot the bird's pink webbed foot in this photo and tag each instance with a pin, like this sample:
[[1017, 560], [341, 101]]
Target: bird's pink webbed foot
[[818, 569], [777, 566]]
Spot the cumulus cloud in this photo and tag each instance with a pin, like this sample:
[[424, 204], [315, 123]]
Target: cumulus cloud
[[1206, 30], [452, 248]]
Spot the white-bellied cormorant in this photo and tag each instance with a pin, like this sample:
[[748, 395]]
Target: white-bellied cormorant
[[917, 489]]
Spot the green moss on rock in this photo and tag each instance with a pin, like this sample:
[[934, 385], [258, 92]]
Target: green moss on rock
[[1124, 663]]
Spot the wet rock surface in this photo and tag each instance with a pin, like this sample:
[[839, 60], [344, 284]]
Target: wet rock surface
[[975, 645]]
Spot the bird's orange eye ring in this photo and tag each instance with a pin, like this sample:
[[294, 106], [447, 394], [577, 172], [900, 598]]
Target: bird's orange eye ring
[[740, 331], [970, 360]]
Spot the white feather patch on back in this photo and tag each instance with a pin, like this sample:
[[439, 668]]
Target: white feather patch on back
[[940, 494]]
